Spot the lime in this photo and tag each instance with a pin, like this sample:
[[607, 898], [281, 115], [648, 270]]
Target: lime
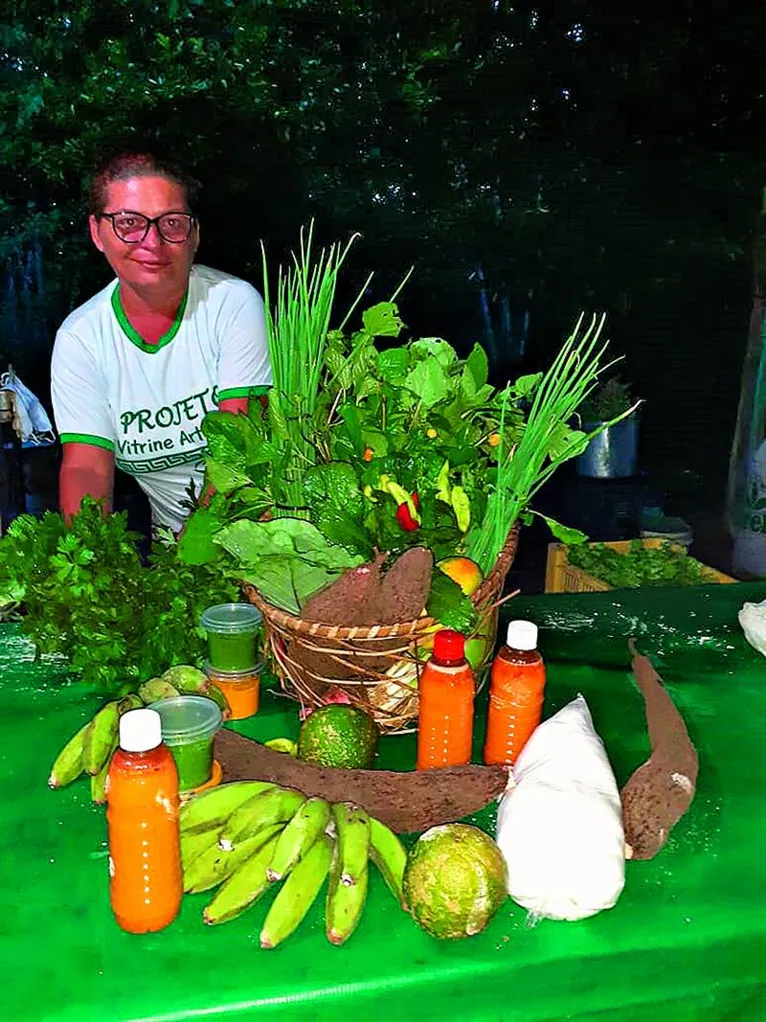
[[338, 736], [455, 880]]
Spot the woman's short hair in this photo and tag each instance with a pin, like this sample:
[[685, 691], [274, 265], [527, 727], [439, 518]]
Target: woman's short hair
[[122, 164]]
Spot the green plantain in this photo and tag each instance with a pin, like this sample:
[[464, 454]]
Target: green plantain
[[298, 836], [276, 806], [214, 865], [195, 843], [245, 885], [69, 765], [298, 893], [214, 807], [101, 737], [389, 855], [352, 825], [98, 781], [345, 902]]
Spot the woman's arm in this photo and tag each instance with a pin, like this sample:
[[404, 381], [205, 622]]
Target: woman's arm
[[86, 471]]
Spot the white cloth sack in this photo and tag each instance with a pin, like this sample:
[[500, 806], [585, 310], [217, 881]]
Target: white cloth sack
[[752, 618], [31, 421], [559, 824]]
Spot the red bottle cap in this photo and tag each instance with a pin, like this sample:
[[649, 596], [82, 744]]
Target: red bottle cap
[[449, 645]]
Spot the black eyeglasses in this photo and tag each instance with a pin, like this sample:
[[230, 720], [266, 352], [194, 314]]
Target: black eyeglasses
[[132, 228]]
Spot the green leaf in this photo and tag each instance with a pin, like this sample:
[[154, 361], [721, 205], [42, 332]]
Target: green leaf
[[448, 604], [286, 559], [225, 440], [524, 386], [443, 488], [383, 320], [428, 381], [393, 364], [567, 443], [434, 347], [478, 365], [334, 494], [563, 533], [467, 385], [224, 478]]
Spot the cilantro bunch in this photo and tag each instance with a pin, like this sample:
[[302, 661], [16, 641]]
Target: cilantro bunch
[[88, 595]]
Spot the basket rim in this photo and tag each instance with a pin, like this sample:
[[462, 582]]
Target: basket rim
[[283, 619]]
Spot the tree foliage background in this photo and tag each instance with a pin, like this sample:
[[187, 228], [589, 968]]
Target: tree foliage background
[[530, 159]]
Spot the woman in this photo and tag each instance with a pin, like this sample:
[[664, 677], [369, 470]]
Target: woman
[[136, 368]]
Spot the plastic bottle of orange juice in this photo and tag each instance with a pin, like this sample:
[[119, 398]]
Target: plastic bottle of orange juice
[[516, 694], [146, 882], [445, 720]]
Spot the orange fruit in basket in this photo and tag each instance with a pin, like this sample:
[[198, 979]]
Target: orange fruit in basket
[[464, 571]]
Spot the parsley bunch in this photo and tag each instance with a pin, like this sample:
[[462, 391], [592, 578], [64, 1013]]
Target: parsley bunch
[[665, 565], [88, 595]]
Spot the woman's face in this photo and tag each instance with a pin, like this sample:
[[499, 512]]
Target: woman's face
[[152, 265]]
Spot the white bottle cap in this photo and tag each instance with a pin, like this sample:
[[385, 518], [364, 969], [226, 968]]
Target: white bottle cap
[[522, 635], [140, 730]]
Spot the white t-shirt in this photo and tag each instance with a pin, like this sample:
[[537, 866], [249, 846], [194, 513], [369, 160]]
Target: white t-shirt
[[145, 401]]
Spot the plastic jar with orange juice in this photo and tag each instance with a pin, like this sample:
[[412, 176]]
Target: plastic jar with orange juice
[[445, 715], [241, 689], [146, 881], [516, 693]]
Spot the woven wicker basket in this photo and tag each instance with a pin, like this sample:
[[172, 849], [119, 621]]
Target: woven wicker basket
[[377, 666]]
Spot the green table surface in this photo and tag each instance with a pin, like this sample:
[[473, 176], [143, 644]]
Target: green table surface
[[687, 940]]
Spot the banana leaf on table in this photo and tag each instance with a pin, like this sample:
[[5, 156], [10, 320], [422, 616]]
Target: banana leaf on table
[[697, 625]]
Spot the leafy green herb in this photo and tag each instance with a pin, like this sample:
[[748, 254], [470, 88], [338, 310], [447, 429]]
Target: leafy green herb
[[662, 566], [286, 559], [88, 595], [449, 605]]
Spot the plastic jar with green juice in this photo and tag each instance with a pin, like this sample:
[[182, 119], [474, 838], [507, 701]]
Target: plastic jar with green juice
[[189, 725], [232, 630]]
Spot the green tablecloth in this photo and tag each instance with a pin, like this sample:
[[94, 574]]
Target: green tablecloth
[[687, 940]]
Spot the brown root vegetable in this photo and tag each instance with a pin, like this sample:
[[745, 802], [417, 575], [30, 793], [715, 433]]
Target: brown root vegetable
[[364, 597], [661, 790], [405, 587], [352, 599], [405, 801]]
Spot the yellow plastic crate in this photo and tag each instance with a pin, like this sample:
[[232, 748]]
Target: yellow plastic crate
[[563, 577]]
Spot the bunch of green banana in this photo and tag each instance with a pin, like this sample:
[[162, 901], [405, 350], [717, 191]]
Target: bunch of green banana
[[244, 837], [90, 750]]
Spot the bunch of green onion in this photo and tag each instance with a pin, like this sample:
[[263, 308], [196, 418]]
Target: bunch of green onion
[[297, 336], [547, 439]]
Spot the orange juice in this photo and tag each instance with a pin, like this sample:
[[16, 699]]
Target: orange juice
[[516, 694], [146, 881], [445, 718]]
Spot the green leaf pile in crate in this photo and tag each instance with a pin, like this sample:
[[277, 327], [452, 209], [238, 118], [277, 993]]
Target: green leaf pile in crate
[[666, 565]]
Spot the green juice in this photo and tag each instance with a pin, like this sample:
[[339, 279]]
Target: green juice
[[194, 763], [234, 652]]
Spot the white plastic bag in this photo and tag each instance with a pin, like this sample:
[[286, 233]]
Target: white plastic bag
[[559, 826], [752, 618]]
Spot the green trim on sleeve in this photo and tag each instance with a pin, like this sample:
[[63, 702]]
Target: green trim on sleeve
[[223, 395], [86, 438], [133, 335]]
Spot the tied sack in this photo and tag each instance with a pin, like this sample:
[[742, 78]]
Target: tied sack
[[559, 824]]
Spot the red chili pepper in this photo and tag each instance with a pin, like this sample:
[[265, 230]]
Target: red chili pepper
[[404, 518]]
